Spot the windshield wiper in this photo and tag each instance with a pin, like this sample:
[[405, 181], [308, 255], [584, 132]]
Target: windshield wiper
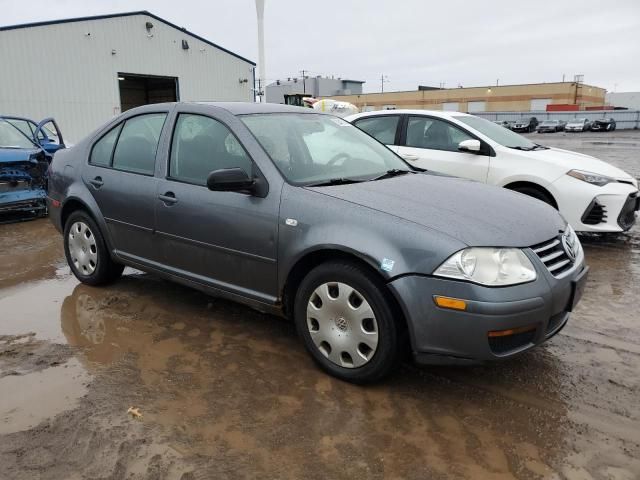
[[537, 146], [394, 172], [334, 181], [524, 149]]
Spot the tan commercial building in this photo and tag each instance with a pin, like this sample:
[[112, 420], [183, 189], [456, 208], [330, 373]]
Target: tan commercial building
[[504, 98]]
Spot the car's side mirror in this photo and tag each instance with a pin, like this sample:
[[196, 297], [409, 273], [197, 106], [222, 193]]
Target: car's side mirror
[[471, 146], [230, 180]]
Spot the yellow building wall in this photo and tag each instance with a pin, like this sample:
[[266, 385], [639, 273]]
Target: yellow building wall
[[498, 98]]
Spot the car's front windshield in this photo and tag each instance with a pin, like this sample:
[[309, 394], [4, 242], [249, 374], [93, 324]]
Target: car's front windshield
[[315, 148], [496, 133], [550, 122], [12, 137], [577, 120]]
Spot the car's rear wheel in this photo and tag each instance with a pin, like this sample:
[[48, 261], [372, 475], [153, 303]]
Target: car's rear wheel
[[346, 320], [87, 252]]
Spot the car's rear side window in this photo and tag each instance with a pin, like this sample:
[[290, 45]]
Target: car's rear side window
[[103, 148], [201, 145], [138, 143], [382, 128]]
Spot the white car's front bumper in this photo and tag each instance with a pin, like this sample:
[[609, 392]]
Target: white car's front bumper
[[589, 208]]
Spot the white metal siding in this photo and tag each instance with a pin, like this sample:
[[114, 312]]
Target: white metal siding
[[540, 104], [477, 106], [58, 70], [451, 106]]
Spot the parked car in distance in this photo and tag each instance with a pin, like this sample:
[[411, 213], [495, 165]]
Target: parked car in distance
[[23, 174], [525, 125], [592, 195], [603, 124], [508, 124], [577, 125], [46, 133], [550, 126], [297, 212]]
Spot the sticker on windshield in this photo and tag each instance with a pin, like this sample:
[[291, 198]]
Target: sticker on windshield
[[387, 264]]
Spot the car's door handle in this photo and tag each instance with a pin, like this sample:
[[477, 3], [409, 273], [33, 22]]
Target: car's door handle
[[169, 198], [97, 182], [411, 158]]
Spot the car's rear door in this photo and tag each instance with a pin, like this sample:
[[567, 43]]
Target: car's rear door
[[384, 127], [225, 240], [120, 176], [432, 143]]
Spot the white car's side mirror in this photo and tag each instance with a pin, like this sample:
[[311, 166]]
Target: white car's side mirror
[[469, 146]]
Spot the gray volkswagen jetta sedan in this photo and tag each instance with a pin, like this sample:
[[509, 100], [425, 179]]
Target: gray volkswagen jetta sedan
[[300, 213]]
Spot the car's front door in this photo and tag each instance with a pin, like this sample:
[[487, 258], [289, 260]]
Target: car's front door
[[433, 144], [227, 240], [120, 176], [48, 135]]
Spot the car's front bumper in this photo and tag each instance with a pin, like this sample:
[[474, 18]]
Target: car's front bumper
[[23, 201], [577, 199], [498, 322]]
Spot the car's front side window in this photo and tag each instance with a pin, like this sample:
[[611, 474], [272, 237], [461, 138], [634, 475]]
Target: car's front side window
[[201, 145], [435, 134], [383, 128]]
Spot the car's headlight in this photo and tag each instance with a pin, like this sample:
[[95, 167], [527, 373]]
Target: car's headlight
[[592, 178], [494, 267]]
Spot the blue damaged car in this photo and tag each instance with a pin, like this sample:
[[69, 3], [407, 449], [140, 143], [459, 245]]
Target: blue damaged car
[[26, 150]]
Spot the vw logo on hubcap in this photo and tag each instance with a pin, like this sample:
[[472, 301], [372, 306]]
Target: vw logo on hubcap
[[342, 324]]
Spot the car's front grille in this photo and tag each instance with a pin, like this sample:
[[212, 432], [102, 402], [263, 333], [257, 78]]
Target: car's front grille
[[627, 216], [594, 214], [508, 343], [553, 255]]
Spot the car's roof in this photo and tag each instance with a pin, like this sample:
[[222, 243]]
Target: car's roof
[[433, 113], [236, 108]]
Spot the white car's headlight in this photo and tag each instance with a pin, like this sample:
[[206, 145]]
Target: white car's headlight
[[592, 178], [494, 267]]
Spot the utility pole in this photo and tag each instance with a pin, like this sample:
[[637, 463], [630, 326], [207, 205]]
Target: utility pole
[[383, 79], [261, 65], [304, 84]]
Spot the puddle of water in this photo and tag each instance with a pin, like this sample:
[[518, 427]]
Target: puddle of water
[[40, 395]]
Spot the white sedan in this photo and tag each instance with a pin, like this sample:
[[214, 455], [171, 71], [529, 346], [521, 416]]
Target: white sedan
[[592, 195]]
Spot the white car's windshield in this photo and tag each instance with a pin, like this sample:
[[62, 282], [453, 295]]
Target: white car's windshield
[[316, 149], [12, 137], [497, 133], [577, 120], [550, 122]]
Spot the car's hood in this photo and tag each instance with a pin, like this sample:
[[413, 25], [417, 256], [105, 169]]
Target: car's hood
[[12, 155], [577, 161], [579, 124], [471, 212]]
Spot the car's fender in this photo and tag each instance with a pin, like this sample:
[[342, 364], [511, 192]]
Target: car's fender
[[311, 222]]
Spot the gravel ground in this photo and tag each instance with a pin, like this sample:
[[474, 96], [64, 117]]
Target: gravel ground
[[226, 392]]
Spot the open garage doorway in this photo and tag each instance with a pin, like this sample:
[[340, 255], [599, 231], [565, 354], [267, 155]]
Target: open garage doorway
[[137, 90]]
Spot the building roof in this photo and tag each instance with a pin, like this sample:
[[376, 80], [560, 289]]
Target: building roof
[[124, 14]]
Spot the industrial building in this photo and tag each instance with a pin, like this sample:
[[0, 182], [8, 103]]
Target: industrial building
[[503, 98], [83, 71], [318, 86], [630, 100]]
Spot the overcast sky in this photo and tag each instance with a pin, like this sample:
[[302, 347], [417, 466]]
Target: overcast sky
[[412, 42]]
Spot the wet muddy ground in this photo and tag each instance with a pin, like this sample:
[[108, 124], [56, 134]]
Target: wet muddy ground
[[226, 392]]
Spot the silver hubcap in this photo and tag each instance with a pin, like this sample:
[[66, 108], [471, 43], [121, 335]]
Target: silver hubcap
[[82, 248], [342, 324]]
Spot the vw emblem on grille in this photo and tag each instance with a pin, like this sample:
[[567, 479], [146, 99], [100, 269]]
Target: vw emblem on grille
[[569, 244]]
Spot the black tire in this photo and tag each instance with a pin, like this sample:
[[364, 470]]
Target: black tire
[[106, 270], [535, 193], [387, 353]]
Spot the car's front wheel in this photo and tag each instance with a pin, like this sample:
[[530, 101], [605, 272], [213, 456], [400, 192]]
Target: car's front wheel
[[346, 320], [87, 252]]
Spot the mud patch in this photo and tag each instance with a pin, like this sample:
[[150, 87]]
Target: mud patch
[[22, 354]]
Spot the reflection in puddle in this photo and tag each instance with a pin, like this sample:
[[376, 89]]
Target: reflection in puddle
[[40, 395]]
